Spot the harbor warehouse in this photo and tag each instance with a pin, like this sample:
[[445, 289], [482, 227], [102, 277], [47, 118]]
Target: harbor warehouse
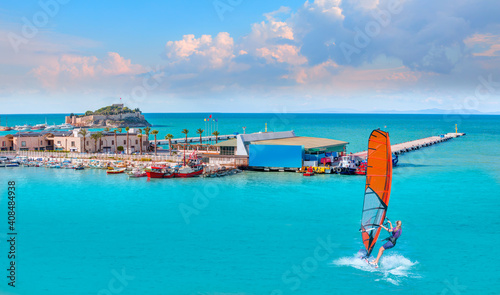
[[285, 150]]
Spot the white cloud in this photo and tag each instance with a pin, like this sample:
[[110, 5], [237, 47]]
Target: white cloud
[[214, 52]]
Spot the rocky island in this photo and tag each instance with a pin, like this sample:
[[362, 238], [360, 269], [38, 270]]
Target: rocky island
[[113, 116]]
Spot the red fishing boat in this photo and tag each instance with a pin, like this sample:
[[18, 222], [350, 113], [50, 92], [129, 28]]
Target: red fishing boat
[[160, 172], [189, 171], [309, 172]]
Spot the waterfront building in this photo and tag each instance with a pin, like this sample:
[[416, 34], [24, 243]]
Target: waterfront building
[[73, 141]]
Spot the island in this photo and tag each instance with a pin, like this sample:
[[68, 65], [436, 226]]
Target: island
[[113, 116]]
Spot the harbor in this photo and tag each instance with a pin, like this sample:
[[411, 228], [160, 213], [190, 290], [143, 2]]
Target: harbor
[[262, 151]]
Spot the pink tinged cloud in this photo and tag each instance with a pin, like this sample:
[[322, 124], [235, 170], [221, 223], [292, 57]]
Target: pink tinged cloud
[[284, 53], [216, 52], [487, 45], [77, 68]]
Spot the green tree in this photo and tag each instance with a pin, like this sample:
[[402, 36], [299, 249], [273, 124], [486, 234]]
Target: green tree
[[99, 136], [169, 138], [140, 141], [83, 132], [155, 132], [146, 131], [95, 137], [116, 142], [200, 132], [216, 133]]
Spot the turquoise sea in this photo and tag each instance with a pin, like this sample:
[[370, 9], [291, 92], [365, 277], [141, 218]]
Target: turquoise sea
[[84, 232]]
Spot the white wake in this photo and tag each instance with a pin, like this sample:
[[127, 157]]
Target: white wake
[[392, 267]]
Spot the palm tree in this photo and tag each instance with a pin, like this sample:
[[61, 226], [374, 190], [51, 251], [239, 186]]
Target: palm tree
[[83, 132], [107, 129], [116, 142], [140, 140], [200, 132], [169, 137], [99, 136], [185, 131], [94, 136], [216, 133], [146, 131], [155, 132], [127, 129]]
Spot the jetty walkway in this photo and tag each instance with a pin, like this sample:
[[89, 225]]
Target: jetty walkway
[[194, 139], [408, 146]]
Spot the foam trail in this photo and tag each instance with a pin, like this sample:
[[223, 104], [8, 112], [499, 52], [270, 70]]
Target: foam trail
[[393, 267]]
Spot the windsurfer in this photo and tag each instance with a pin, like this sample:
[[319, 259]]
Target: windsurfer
[[391, 241]]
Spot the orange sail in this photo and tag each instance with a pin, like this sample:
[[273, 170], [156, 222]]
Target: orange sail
[[377, 188]]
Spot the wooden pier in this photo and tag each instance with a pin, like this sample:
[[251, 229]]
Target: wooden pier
[[408, 146]]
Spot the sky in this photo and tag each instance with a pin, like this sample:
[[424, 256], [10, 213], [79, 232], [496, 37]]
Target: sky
[[63, 56]]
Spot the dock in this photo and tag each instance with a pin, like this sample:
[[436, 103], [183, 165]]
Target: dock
[[194, 139], [408, 146]]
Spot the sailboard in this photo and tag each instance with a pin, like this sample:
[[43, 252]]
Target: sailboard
[[377, 188]]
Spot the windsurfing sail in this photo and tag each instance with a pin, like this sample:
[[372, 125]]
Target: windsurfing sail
[[377, 188]]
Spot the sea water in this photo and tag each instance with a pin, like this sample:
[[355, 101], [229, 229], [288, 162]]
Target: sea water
[[85, 232]]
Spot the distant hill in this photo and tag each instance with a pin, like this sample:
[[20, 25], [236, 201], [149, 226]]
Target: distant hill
[[434, 111]]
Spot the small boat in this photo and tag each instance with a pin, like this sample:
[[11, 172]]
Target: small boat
[[309, 172], [38, 127], [5, 128], [65, 126], [79, 168], [189, 171], [115, 171], [51, 127], [160, 172], [137, 173]]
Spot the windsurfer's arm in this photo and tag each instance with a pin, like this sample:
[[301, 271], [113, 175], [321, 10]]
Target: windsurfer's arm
[[385, 228], [390, 223]]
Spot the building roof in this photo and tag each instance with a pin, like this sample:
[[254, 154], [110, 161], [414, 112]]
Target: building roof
[[230, 142], [266, 136], [310, 144]]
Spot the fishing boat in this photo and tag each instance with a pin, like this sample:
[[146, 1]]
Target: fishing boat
[[160, 172], [115, 171], [189, 171], [5, 128], [377, 189], [309, 172], [38, 127]]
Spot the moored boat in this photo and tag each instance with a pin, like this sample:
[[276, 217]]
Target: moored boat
[[115, 171], [189, 171], [160, 172], [309, 172]]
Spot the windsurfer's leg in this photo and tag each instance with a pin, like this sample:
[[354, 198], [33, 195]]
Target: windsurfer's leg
[[380, 252]]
